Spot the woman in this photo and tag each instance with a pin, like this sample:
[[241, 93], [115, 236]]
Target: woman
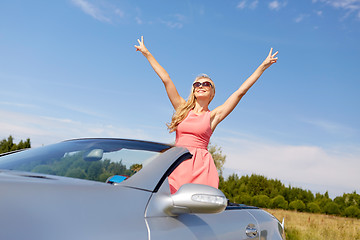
[[194, 122]]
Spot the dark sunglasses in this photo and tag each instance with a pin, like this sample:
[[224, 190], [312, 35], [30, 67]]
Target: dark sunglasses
[[204, 84]]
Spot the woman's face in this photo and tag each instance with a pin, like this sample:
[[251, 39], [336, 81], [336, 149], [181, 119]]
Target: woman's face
[[203, 89]]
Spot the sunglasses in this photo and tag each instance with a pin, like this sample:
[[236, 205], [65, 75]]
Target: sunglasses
[[204, 84]]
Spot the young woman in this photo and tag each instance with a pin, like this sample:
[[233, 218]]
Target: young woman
[[194, 122]]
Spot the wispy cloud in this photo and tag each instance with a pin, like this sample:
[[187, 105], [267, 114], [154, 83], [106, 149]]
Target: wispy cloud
[[319, 13], [277, 5], [300, 18], [349, 6], [247, 4], [174, 21], [91, 10], [119, 12], [330, 127], [138, 20], [20, 105], [109, 13]]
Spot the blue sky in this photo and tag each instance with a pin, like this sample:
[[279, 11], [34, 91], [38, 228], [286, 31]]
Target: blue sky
[[69, 69]]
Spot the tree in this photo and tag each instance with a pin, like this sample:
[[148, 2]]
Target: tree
[[331, 208], [313, 207], [218, 156], [136, 167], [8, 145], [352, 211], [279, 202], [243, 198], [260, 201], [297, 205]]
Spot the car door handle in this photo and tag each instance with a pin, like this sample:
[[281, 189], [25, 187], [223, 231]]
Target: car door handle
[[251, 231]]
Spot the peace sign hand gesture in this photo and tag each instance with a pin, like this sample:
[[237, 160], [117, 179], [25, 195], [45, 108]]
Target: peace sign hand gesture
[[270, 59], [142, 47]]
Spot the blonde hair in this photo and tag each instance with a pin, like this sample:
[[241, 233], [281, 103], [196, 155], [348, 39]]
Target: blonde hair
[[183, 110]]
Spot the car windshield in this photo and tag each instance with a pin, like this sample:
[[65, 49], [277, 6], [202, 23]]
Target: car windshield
[[93, 159]]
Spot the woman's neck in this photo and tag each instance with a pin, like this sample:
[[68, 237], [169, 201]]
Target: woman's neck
[[201, 107]]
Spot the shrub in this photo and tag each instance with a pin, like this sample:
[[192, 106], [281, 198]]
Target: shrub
[[243, 198], [260, 201], [279, 202], [313, 207], [352, 211], [297, 205], [331, 208]]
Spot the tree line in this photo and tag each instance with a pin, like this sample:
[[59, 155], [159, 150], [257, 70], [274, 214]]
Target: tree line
[[8, 145], [255, 190], [262, 192]]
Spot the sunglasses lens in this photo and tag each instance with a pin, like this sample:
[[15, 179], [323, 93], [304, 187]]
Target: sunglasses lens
[[197, 84], [206, 84]]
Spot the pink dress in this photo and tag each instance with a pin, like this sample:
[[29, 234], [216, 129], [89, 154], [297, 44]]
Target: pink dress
[[194, 133]]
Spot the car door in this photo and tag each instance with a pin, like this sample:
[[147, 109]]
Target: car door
[[229, 224]]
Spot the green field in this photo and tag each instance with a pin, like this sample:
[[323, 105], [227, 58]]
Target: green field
[[310, 226]]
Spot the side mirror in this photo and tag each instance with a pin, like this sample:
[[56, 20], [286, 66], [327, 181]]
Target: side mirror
[[190, 198], [198, 198]]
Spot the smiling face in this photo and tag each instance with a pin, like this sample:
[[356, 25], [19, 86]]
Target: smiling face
[[204, 90]]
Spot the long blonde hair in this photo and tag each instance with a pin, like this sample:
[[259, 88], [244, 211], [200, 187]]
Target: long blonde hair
[[183, 110]]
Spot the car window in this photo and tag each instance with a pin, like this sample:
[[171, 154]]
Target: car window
[[98, 160]]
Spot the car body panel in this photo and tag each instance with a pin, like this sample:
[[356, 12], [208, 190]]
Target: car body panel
[[226, 226], [48, 207], [270, 227]]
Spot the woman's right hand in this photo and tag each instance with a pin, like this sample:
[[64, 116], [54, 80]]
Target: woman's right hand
[[141, 47]]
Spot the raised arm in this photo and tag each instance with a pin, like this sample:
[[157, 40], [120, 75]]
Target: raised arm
[[175, 99], [221, 112]]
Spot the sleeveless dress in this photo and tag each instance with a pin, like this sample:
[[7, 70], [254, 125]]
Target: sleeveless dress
[[194, 133]]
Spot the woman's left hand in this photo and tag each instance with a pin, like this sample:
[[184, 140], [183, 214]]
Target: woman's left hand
[[270, 59]]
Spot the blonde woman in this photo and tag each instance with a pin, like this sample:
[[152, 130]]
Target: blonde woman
[[194, 123]]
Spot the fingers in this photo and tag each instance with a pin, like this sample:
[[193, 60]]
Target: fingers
[[270, 53], [275, 54], [141, 41]]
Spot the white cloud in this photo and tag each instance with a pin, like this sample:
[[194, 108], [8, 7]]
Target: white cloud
[[138, 20], [304, 166], [331, 127], [319, 13], [119, 13], [243, 4], [254, 4], [300, 18], [91, 10], [350, 6], [274, 5], [277, 5], [174, 21], [21, 105]]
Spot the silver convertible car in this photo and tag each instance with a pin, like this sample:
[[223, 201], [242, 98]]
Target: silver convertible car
[[116, 189]]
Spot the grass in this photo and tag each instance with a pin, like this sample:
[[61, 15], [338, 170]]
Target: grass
[[309, 226]]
